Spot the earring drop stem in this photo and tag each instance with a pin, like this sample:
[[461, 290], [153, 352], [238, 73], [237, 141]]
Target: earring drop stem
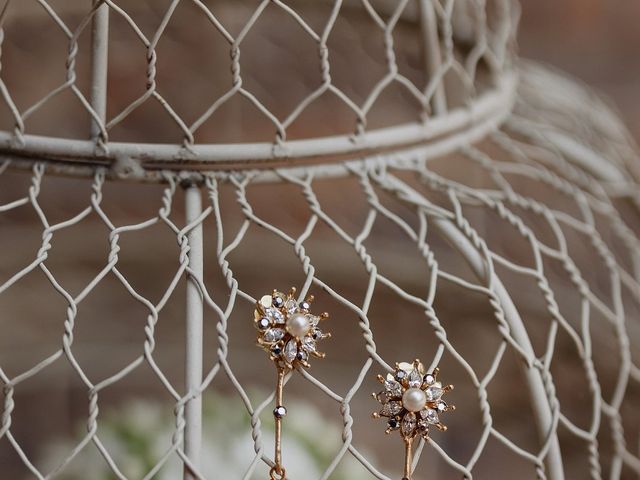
[[278, 422], [408, 458]]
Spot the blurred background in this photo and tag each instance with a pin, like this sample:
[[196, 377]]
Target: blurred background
[[594, 40]]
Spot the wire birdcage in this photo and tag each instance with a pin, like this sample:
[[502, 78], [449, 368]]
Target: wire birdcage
[[166, 163]]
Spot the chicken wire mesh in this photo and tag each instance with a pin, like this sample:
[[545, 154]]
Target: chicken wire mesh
[[390, 69], [498, 244]]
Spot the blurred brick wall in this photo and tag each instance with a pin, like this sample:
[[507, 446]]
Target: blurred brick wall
[[595, 40]]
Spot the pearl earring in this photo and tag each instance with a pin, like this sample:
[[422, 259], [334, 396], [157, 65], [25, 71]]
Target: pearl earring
[[289, 333], [412, 402]]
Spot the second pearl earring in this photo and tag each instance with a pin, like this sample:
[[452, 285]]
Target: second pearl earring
[[412, 402], [289, 333]]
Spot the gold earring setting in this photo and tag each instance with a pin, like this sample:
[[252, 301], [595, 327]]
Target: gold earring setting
[[412, 403], [288, 331]]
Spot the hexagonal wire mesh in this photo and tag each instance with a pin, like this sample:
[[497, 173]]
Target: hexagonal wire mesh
[[370, 152]]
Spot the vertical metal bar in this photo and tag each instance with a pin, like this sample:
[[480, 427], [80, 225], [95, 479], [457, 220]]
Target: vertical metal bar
[[194, 333], [537, 394], [99, 66], [431, 51]]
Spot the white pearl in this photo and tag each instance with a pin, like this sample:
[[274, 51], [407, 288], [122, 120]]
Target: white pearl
[[414, 399], [298, 325]]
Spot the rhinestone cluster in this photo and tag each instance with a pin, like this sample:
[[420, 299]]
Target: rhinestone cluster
[[412, 400], [287, 330]]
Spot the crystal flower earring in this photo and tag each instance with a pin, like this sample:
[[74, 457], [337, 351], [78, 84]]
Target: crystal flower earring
[[289, 333], [412, 402]]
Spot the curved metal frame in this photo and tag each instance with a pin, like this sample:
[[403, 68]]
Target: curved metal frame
[[145, 161]]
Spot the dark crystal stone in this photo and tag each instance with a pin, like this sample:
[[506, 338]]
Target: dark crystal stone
[[276, 350], [263, 323], [305, 306], [279, 411], [302, 355], [278, 302], [393, 423]]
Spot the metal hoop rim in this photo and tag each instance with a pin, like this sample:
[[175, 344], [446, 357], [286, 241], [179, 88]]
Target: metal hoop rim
[[144, 161]]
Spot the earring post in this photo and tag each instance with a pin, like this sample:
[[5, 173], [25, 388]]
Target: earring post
[[278, 421], [408, 458]]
